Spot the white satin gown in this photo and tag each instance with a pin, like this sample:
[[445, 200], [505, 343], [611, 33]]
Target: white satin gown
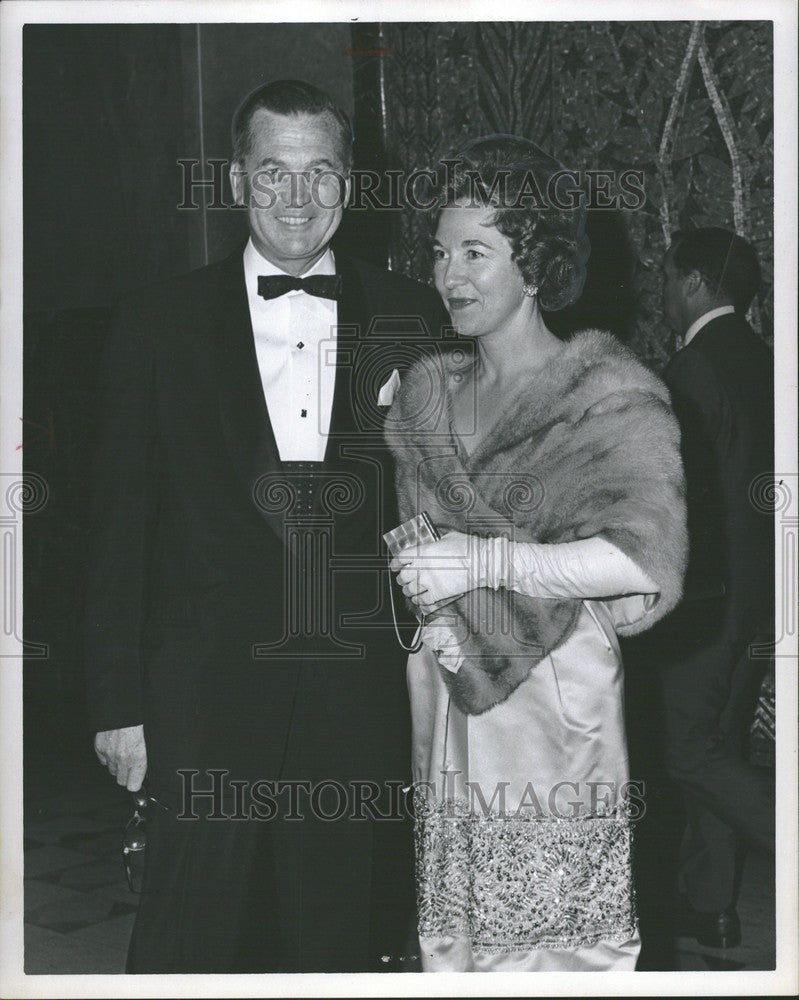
[[523, 813]]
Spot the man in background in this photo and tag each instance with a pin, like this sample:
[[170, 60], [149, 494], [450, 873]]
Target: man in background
[[721, 382]]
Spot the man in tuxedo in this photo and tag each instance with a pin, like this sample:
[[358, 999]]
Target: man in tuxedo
[[239, 645], [721, 382]]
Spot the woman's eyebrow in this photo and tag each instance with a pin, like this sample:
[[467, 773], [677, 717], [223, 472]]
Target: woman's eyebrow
[[467, 243]]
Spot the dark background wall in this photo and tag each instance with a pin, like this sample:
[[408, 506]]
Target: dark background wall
[[108, 112], [102, 127], [110, 109]]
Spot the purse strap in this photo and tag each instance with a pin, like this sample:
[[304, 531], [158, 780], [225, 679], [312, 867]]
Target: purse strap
[[416, 642]]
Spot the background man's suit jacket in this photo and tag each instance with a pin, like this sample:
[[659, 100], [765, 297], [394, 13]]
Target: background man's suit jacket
[[722, 387], [188, 564]]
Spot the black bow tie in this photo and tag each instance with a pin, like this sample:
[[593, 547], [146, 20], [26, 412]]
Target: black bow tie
[[326, 286]]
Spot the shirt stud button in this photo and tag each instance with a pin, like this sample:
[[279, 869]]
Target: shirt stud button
[[300, 345], [303, 413]]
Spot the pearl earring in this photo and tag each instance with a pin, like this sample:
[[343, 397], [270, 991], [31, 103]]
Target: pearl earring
[[531, 291]]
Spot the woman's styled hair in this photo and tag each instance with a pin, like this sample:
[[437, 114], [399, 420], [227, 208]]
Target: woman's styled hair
[[548, 241]]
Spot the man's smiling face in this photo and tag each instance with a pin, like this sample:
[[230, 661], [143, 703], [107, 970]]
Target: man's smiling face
[[293, 186]]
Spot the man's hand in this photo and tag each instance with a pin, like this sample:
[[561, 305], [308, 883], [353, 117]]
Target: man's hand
[[123, 752]]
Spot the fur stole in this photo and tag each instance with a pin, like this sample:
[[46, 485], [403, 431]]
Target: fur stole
[[590, 448]]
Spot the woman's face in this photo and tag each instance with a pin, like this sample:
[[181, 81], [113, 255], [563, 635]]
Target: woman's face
[[481, 286]]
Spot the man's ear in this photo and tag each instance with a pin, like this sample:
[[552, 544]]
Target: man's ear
[[693, 282], [238, 181]]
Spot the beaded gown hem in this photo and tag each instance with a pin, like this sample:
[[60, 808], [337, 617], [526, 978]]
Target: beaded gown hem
[[512, 883]]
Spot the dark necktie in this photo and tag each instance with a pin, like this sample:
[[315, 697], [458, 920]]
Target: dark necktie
[[326, 286]]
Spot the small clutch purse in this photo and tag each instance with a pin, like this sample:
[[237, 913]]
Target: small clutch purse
[[414, 531]]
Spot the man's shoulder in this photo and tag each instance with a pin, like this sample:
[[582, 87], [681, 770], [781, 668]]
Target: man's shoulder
[[393, 288], [694, 380], [382, 275], [189, 289], [726, 365], [688, 362], [726, 353], [730, 338]]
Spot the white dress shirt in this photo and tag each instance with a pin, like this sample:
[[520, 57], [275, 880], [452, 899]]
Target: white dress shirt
[[295, 344], [703, 320]]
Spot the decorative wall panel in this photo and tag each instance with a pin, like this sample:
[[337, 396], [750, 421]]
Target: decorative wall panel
[[689, 104]]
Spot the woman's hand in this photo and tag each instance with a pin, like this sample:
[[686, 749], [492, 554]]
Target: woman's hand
[[433, 573]]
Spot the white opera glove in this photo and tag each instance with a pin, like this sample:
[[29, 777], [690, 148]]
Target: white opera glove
[[433, 573], [587, 568], [441, 640]]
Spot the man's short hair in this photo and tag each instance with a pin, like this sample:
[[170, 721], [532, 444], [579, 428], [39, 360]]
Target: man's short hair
[[289, 97], [727, 263]]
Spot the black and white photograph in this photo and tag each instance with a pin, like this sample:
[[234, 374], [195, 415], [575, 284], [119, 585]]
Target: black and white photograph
[[400, 499]]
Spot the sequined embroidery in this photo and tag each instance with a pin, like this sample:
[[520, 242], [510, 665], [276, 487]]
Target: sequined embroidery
[[518, 883]]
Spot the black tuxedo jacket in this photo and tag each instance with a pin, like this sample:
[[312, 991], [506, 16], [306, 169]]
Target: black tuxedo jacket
[[722, 387], [192, 620]]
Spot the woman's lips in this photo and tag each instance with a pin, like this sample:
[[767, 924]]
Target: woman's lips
[[460, 303]]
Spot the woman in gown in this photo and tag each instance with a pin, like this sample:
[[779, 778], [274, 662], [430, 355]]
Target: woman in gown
[[551, 469]]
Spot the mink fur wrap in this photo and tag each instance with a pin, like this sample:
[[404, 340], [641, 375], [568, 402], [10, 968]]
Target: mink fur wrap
[[590, 448]]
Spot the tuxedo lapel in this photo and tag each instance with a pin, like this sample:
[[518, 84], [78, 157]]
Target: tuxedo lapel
[[243, 409], [355, 449], [352, 324]]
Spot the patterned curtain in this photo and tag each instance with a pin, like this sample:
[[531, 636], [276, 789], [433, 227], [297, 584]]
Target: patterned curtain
[[689, 104]]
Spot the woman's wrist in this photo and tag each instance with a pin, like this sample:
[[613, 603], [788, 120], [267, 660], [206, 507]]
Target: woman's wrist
[[495, 558]]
